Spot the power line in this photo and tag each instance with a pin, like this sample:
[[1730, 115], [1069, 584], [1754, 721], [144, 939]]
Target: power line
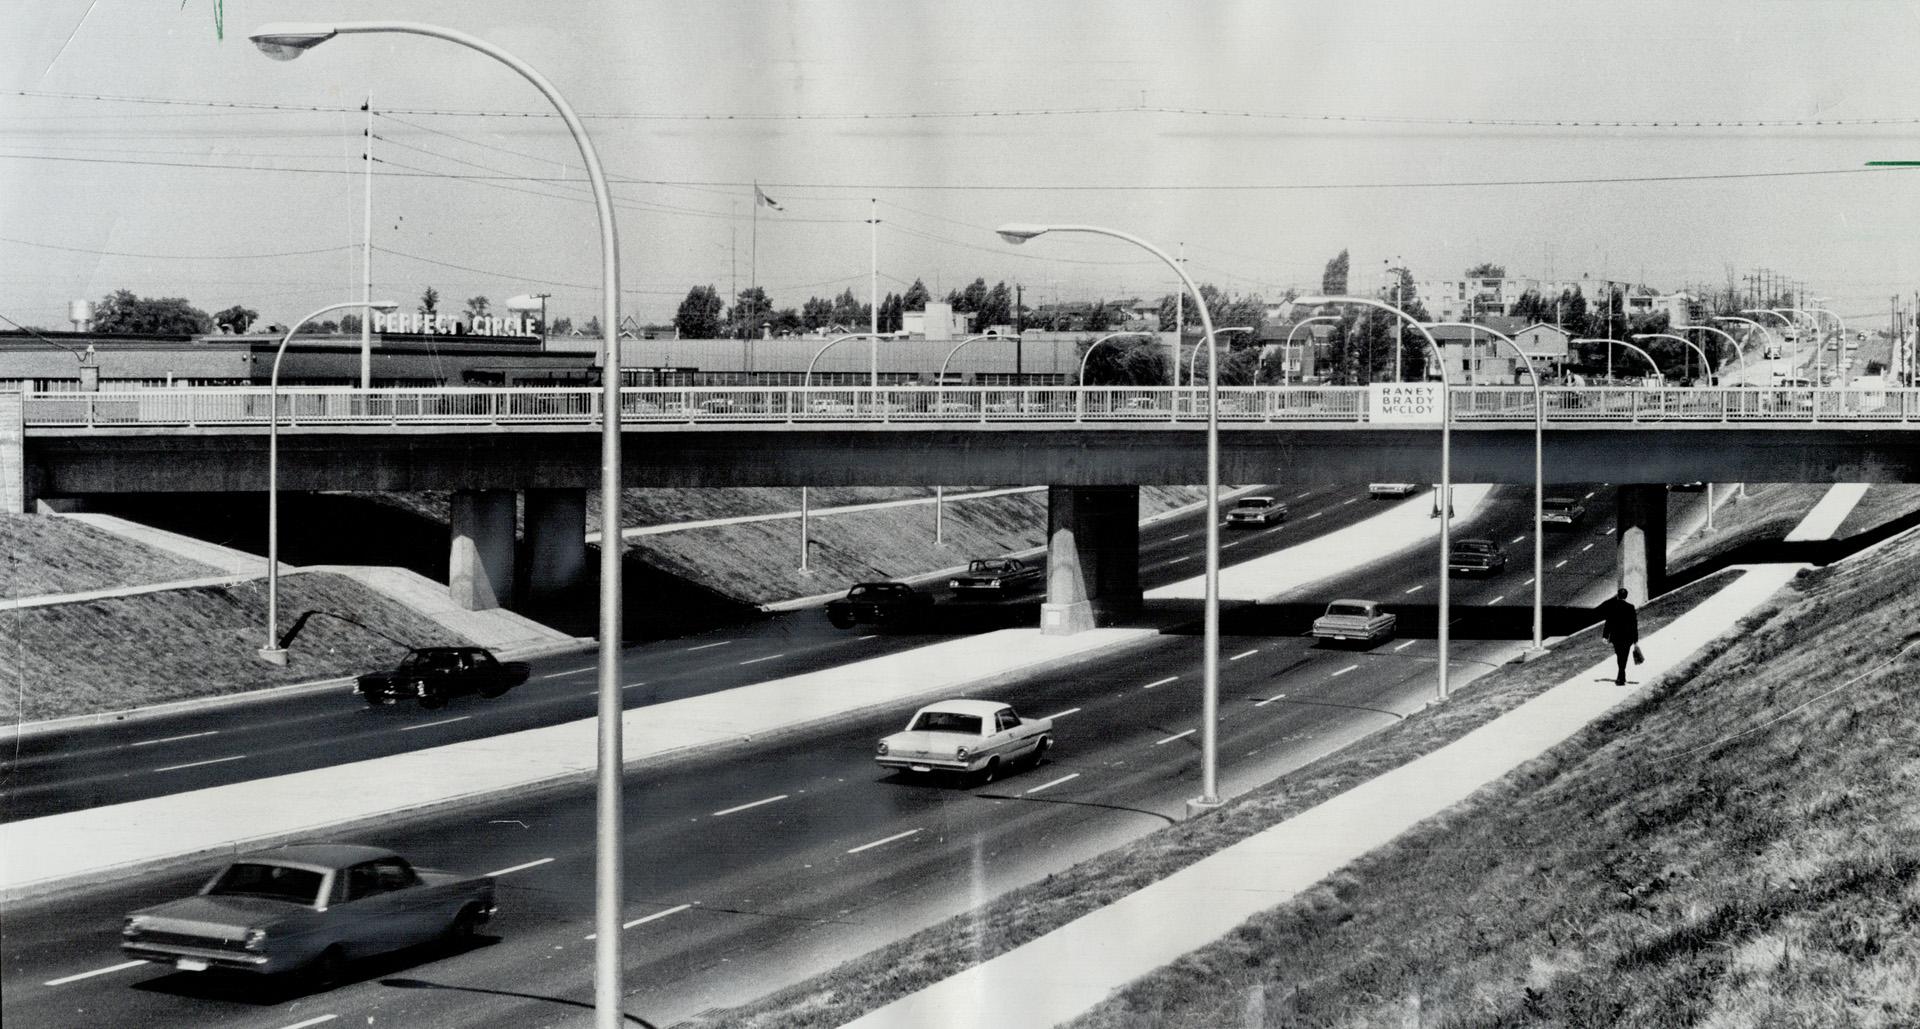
[[177, 257]]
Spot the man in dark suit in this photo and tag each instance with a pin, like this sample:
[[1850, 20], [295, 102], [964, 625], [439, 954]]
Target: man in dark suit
[[1620, 626]]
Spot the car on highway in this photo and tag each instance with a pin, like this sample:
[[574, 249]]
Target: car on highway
[[310, 909], [1253, 512], [1567, 511], [976, 738], [997, 576], [878, 603], [1476, 557], [434, 675], [1392, 489], [1362, 620]]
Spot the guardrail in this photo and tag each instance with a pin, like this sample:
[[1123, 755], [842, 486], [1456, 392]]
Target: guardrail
[[315, 406]]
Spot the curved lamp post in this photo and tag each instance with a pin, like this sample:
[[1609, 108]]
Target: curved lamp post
[[1446, 456], [1651, 363], [1080, 396], [286, 41], [1793, 362], [272, 652], [1739, 352], [1539, 479], [806, 381], [1764, 331], [1704, 362], [1840, 351], [1210, 631], [1193, 360], [1288, 345]]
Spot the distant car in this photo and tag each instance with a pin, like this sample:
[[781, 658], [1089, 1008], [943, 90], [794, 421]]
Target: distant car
[[830, 405], [879, 603], [1256, 511], [968, 737], [1567, 511], [1686, 487], [1481, 557], [1355, 620], [310, 908], [1392, 489], [999, 576], [434, 675]]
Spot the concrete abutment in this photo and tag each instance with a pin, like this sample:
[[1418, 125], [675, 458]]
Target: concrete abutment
[[1093, 556], [480, 564], [1642, 530], [554, 562]]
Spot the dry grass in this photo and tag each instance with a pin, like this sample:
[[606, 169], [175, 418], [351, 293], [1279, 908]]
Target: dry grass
[[1882, 504], [1738, 848], [46, 554], [1029, 912], [1769, 512], [109, 655]]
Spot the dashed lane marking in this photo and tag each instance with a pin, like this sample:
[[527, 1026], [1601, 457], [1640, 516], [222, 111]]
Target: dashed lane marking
[[1496, 600], [1062, 714], [1529, 581], [708, 646], [1235, 543], [570, 671], [875, 636], [1269, 700], [1587, 497], [743, 807], [1516, 539], [1244, 653], [757, 660], [1557, 564], [429, 725], [1056, 782], [1316, 514], [879, 843], [1610, 530], [315, 1020], [1177, 560], [1349, 500], [648, 918], [1343, 671], [1586, 548], [1176, 736], [1418, 588], [197, 764], [1180, 537], [633, 685], [65, 979], [1160, 682], [1303, 496], [1404, 646], [171, 739], [523, 867]]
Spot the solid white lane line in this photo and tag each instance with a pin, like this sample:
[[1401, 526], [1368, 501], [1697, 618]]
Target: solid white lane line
[[875, 636], [65, 979], [170, 739], [1557, 564], [1496, 600], [1056, 782], [1418, 588], [1176, 736], [757, 660], [1516, 539], [196, 764], [570, 671], [1244, 653], [1405, 645], [743, 807], [429, 725], [877, 843], [1062, 714], [708, 646], [1180, 537], [1343, 671], [1159, 682], [1586, 548], [1269, 700], [315, 1020], [522, 868]]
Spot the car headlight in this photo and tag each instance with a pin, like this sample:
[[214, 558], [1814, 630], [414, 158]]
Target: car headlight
[[960, 752], [883, 746], [953, 584], [420, 687], [994, 585], [256, 939], [134, 927]]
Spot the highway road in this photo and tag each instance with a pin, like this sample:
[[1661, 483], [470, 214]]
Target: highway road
[[756, 866], [117, 763]]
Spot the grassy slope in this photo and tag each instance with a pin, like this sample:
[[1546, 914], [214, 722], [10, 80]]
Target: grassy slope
[[1882, 504], [126, 652], [1770, 510], [1740, 847], [47, 554]]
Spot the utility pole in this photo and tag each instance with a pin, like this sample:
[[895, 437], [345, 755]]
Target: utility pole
[[1179, 318], [366, 262], [873, 292]]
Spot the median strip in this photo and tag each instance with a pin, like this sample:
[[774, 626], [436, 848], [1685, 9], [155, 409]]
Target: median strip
[[743, 807], [1056, 782], [881, 843], [65, 979], [197, 764]]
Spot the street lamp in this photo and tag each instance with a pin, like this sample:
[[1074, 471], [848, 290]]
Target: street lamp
[[286, 41], [1080, 395], [806, 382], [1193, 360], [1288, 345], [1446, 457], [1739, 352], [1704, 363], [1651, 363], [1793, 362], [1764, 332], [1840, 351], [272, 652], [1210, 624], [1539, 479]]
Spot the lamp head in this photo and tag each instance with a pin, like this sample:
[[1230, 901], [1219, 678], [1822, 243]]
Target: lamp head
[[284, 41], [383, 306], [1020, 232], [1312, 301]]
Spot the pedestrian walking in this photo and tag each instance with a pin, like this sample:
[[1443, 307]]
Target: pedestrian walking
[[1620, 626]]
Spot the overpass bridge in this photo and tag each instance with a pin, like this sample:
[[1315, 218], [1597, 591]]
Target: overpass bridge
[[1094, 446]]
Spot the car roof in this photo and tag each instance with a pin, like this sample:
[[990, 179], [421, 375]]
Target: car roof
[[1473, 543], [319, 856], [1245, 500], [982, 708], [878, 584], [1352, 600], [1561, 500]]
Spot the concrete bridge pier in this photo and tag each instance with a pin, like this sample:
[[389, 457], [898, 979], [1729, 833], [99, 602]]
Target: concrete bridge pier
[[1642, 529], [1093, 556], [556, 543], [480, 566]]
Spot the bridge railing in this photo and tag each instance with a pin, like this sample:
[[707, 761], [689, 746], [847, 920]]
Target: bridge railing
[[315, 406]]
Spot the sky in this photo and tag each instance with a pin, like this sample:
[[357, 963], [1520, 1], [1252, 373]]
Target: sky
[[1257, 138]]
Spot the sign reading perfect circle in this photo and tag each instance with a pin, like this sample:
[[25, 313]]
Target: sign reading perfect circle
[[1403, 403]]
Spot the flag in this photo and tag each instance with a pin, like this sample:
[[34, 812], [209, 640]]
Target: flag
[[760, 197]]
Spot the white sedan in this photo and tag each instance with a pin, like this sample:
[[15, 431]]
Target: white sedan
[[971, 737]]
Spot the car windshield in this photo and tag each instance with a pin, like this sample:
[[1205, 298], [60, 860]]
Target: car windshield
[[870, 588], [275, 882], [1347, 609], [946, 721], [431, 659], [1257, 502], [988, 567], [1474, 546], [1557, 502]]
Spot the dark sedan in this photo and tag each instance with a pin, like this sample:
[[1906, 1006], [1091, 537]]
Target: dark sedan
[[433, 675]]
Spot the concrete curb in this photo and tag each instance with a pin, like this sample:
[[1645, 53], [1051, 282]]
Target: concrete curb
[[51, 726]]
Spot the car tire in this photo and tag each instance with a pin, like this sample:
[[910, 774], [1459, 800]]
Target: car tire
[[989, 773], [432, 701], [1040, 752], [840, 619], [491, 692], [466, 925], [372, 699], [326, 970]]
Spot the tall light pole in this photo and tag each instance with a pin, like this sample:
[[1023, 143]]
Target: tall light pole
[[286, 41], [1793, 362], [1840, 352], [1739, 352], [366, 257], [1446, 458], [1684, 341], [1080, 395], [1651, 363], [1193, 361], [1539, 480], [873, 292], [272, 652], [1764, 332], [1286, 347], [806, 381], [1210, 624]]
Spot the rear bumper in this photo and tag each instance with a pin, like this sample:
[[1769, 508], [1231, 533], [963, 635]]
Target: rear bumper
[[227, 960], [917, 764]]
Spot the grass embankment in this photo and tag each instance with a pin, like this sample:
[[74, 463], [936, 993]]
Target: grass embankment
[[1740, 846], [1768, 512], [47, 554], [1031, 911], [124, 652], [1882, 504]]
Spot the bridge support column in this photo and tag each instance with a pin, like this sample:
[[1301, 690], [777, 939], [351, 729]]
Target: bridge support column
[[480, 567], [1093, 555], [1642, 521], [556, 549]]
